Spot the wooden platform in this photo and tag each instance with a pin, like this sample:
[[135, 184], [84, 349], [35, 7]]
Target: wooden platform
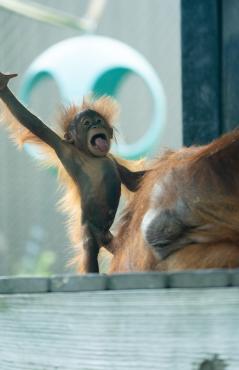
[[180, 321]]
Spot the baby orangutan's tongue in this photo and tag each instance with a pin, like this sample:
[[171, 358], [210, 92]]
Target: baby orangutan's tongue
[[102, 144]]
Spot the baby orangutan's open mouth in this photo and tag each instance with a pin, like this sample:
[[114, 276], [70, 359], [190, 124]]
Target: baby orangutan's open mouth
[[98, 141]]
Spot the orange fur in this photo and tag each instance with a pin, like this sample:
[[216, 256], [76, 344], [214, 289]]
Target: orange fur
[[206, 180]]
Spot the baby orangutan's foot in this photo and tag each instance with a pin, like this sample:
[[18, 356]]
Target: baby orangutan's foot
[[106, 238], [4, 78]]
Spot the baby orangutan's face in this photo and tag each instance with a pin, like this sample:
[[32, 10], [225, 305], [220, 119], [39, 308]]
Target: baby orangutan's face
[[90, 133]]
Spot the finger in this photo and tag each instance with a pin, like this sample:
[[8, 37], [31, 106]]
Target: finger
[[11, 75]]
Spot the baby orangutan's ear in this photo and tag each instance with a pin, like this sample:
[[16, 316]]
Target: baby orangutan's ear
[[68, 137]]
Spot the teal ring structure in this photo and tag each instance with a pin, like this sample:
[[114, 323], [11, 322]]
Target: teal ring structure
[[99, 64]]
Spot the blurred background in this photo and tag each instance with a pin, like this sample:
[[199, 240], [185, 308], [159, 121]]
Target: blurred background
[[33, 239]]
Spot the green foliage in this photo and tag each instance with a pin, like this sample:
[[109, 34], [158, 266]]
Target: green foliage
[[41, 266]]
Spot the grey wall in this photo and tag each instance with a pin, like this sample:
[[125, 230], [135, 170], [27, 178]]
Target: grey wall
[[32, 239]]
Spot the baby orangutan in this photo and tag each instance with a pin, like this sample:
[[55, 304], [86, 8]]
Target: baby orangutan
[[84, 153]]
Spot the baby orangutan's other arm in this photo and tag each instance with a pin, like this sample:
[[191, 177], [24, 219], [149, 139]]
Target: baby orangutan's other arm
[[130, 179], [24, 116]]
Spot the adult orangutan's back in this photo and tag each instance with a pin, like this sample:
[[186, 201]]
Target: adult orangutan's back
[[186, 213]]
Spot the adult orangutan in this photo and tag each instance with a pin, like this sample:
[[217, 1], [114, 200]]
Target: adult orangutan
[[185, 214]]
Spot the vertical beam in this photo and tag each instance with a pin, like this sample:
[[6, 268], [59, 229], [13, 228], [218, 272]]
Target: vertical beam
[[230, 55], [201, 70]]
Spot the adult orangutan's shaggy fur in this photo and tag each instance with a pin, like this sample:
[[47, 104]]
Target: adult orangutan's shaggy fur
[[186, 213]]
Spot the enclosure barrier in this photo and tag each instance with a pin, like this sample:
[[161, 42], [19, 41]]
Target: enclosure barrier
[[184, 321]]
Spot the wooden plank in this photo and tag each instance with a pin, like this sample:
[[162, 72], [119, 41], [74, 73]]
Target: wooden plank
[[13, 285], [200, 279], [140, 280], [73, 283], [166, 329], [235, 277], [147, 280]]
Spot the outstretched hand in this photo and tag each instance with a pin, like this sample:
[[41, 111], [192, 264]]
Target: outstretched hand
[[5, 78]]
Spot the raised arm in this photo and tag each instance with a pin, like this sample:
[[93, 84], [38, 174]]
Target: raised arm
[[24, 116]]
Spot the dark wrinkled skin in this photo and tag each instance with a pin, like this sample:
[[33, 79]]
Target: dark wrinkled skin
[[97, 174]]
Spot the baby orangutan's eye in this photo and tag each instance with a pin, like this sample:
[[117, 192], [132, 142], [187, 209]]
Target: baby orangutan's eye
[[86, 123], [99, 121]]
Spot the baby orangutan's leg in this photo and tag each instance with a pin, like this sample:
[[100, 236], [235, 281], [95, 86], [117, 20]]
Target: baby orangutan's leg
[[89, 261]]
